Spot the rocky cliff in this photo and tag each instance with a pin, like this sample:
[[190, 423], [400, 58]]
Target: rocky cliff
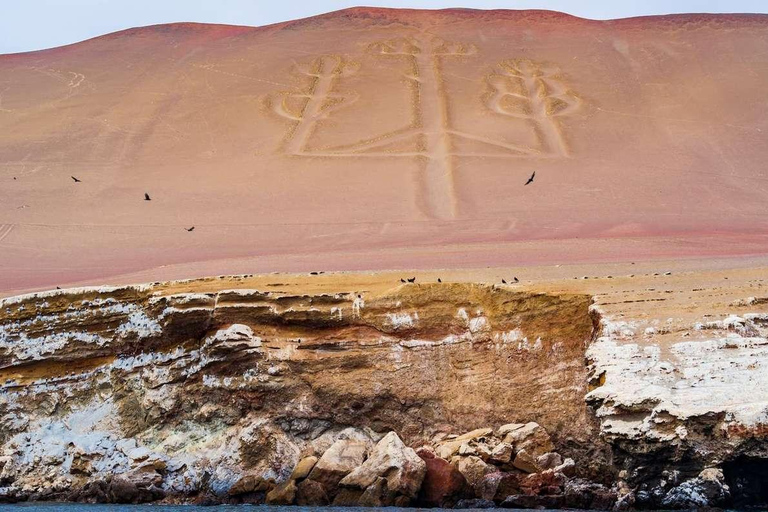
[[435, 394]]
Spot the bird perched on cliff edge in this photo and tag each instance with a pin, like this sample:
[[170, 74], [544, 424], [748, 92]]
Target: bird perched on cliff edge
[[439, 280], [530, 180], [402, 280], [146, 197], [503, 281], [412, 280], [517, 280]]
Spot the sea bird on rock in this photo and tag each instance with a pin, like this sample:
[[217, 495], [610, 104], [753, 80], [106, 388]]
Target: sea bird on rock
[[412, 280], [146, 197]]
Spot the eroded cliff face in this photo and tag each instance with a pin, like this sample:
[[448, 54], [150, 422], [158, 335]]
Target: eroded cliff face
[[194, 391], [617, 393], [677, 398]]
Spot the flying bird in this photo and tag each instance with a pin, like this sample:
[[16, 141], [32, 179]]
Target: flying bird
[[190, 229], [503, 281], [412, 280], [530, 180], [146, 197], [75, 179]]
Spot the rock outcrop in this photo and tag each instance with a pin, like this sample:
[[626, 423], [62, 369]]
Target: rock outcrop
[[138, 394], [445, 395]]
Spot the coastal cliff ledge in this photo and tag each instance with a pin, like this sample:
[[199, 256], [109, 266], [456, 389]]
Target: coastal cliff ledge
[[409, 396]]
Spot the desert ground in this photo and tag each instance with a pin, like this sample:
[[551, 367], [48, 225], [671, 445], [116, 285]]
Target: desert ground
[[372, 139]]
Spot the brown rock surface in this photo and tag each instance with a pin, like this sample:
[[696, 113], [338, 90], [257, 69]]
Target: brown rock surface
[[442, 480]]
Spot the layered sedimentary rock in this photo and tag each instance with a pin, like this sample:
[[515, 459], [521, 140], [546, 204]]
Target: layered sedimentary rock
[[205, 388], [423, 394]]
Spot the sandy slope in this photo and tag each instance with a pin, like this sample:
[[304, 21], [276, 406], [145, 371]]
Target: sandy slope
[[371, 139]]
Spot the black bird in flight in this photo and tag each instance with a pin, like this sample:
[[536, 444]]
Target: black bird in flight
[[75, 179], [530, 180], [503, 281], [190, 229], [412, 280], [517, 280], [439, 280], [146, 197]]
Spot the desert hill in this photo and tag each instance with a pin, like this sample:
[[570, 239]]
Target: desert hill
[[374, 138]]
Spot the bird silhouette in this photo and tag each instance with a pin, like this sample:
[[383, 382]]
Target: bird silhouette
[[402, 280], [530, 180], [313, 273], [412, 280], [503, 281], [75, 179], [146, 197], [190, 229], [517, 280], [439, 280]]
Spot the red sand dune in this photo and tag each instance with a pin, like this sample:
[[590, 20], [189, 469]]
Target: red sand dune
[[373, 138]]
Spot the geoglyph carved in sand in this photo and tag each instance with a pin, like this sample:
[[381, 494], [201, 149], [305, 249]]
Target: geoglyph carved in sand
[[519, 89]]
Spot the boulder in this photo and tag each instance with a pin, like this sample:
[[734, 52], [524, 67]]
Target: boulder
[[473, 469], [530, 437], [503, 430], [525, 461], [474, 503], [122, 490], [502, 453], [585, 495], [337, 462], [442, 481], [475, 434], [250, 483], [547, 482], [568, 468], [377, 495], [706, 490], [400, 466], [302, 469], [283, 494], [311, 494], [450, 447], [347, 497], [549, 460]]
